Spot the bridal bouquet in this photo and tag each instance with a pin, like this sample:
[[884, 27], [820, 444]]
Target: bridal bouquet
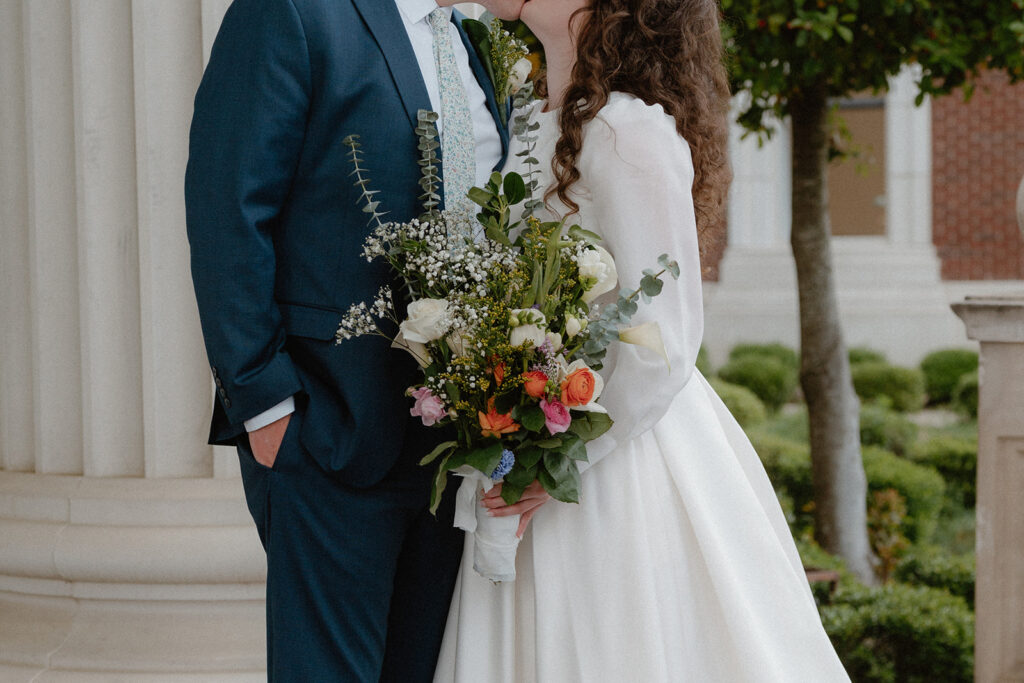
[[502, 321]]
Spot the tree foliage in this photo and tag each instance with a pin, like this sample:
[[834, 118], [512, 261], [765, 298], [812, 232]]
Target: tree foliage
[[780, 48]]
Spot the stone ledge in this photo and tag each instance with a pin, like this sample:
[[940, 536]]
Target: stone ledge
[[61, 639]]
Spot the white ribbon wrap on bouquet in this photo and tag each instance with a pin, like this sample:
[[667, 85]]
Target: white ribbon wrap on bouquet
[[494, 538]]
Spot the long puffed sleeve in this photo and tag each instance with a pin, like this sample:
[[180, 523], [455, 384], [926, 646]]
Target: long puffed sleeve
[[635, 191]]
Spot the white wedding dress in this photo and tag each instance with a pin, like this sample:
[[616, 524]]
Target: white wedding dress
[[677, 564]]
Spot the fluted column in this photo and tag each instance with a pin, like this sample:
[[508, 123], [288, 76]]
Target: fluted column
[[175, 382], [16, 418], [108, 257], [53, 242]]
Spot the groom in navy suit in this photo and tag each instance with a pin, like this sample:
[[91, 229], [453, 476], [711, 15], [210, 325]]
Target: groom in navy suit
[[359, 573]]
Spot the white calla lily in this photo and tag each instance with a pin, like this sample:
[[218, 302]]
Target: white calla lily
[[647, 335], [598, 265], [417, 349]]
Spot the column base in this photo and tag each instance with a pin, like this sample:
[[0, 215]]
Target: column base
[[129, 579]]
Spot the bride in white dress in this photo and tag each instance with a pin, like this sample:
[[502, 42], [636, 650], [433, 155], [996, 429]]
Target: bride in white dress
[[677, 564]]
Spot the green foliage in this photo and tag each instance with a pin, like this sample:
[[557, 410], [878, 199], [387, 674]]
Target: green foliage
[[921, 487], [768, 377], [863, 354], [932, 567], [781, 50], [903, 388], [880, 426], [744, 404], [783, 353], [943, 370], [957, 461], [965, 396], [788, 464], [789, 424], [886, 513], [704, 362], [901, 633]]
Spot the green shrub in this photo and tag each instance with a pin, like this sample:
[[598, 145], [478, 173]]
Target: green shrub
[[937, 569], [769, 378], [862, 354], [902, 387], [788, 464], [880, 426], [899, 633], [921, 487], [743, 403], [789, 424], [957, 461], [943, 369], [965, 396], [782, 353], [703, 362]]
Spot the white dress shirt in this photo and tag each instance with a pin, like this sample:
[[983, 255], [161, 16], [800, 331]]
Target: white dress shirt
[[415, 15]]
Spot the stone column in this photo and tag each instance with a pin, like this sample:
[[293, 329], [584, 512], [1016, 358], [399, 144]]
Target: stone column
[[126, 549], [998, 324]]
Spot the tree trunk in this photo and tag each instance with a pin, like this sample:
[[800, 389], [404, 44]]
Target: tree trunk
[[840, 486]]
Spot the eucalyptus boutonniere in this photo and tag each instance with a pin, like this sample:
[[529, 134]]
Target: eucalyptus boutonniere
[[504, 57]]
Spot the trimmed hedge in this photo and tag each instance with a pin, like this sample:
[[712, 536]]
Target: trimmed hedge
[[943, 370], [788, 465], [932, 567], [922, 488], [780, 352], [880, 426], [903, 388], [956, 460], [900, 633], [768, 377], [862, 354], [703, 362], [965, 396], [744, 404]]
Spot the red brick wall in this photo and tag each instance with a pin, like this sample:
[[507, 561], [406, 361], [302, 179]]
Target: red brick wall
[[978, 161]]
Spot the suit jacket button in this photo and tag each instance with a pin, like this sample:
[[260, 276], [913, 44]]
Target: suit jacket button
[[219, 383], [227, 402], [222, 392]]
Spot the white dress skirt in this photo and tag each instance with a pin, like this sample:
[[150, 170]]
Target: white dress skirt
[[677, 564]]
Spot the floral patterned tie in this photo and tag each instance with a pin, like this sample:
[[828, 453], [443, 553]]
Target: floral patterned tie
[[458, 146]]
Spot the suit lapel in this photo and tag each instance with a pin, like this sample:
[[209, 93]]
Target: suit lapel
[[488, 87], [385, 23]]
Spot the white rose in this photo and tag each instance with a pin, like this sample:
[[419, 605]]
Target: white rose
[[426, 321], [518, 74], [573, 325], [597, 264], [527, 325]]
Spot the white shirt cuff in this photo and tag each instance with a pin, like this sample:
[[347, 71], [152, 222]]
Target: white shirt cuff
[[285, 407]]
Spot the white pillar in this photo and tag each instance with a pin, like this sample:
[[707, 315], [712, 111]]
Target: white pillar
[[53, 243], [16, 420], [908, 131], [107, 238], [175, 376]]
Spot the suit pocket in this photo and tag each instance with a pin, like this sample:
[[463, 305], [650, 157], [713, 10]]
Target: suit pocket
[[313, 322]]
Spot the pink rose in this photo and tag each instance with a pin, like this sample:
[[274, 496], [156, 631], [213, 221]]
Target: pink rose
[[428, 406], [556, 416]]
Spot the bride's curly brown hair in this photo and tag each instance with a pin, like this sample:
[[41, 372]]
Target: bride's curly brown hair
[[666, 52]]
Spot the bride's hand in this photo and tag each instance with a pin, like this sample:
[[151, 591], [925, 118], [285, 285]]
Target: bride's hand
[[534, 496]]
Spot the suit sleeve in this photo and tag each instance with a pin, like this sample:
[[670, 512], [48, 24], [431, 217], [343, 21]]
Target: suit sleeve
[[639, 174], [245, 141]]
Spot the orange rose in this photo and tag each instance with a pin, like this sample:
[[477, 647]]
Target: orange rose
[[499, 373], [535, 383], [578, 387], [493, 423]]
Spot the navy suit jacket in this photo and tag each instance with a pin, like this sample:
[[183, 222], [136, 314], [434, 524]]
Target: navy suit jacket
[[276, 229]]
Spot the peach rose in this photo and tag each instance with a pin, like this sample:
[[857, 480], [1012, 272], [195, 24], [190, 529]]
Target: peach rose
[[535, 383], [493, 423], [580, 386]]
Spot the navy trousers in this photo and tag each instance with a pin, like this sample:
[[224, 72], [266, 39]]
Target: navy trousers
[[358, 580]]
